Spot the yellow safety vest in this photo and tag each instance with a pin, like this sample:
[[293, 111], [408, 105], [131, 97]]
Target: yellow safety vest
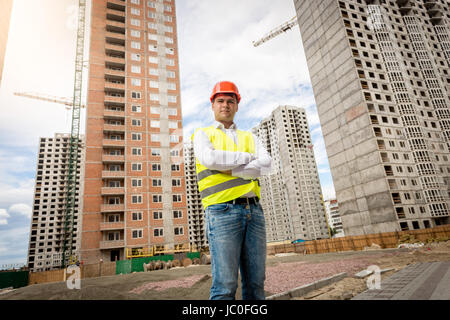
[[215, 186]]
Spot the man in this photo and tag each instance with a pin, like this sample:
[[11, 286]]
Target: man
[[228, 163]]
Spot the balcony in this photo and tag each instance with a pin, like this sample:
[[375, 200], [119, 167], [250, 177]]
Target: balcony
[[112, 244], [116, 59], [113, 174], [113, 143], [113, 114], [113, 128], [115, 15], [113, 49], [112, 207], [113, 158], [106, 226], [114, 37], [114, 99], [116, 5], [115, 72], [113, 191], [116, 85], [115, 26]]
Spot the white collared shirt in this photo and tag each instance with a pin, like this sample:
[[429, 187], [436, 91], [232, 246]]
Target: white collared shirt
[[242, 164]]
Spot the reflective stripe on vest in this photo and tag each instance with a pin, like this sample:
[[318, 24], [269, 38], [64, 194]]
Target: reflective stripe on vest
[[217, 187]]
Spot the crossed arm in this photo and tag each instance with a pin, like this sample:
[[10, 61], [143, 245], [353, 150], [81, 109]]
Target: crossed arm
[[238, 164]]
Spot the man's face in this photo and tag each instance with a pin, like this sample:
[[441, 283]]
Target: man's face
[[225, 106]]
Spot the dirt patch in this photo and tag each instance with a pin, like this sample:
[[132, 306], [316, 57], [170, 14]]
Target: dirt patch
[[351, 286]]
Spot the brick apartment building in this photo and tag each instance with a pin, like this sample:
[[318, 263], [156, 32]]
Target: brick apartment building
[[134, 189]]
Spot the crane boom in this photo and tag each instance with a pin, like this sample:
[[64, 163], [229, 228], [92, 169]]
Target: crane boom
[[277, 31], [68, 102]]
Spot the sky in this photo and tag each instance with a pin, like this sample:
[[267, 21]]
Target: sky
[[215, 43]]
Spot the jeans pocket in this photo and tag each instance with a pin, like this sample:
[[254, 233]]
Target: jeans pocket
[[220, 207]]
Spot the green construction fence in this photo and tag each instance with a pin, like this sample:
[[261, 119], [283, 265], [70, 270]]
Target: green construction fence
[[137, 264], [14, 279]]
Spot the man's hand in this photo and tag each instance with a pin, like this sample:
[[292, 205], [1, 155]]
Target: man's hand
[[227, 172]]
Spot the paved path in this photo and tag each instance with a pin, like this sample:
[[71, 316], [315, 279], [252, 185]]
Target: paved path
[[420, 281]]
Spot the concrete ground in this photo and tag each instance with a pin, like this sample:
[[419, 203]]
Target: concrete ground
[[283, 272]]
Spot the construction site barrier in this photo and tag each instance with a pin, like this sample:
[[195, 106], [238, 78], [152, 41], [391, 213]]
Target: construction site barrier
[[13, 279], [86, 271], [357, 243]]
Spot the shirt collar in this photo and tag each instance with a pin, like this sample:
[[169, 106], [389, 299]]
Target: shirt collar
[[219, 125]]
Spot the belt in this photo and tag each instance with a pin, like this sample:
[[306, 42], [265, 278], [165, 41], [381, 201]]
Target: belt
[[253, 200]]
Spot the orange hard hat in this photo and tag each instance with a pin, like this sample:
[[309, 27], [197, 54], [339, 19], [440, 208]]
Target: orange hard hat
[[225, 87]]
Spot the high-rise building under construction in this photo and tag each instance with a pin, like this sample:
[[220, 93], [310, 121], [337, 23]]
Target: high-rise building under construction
[[291, 195], [134, 191], [45, 248], [381, 79]]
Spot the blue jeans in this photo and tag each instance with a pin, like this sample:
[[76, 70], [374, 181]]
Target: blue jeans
[[237, 240]]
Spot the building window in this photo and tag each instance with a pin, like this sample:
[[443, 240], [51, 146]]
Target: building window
[[136, 216], [157, 215], [135, 57], [135, 95], [158, 232], [136, 82], [177, 214], [156, 182], [176, 198], [136, 234], [136, 199], [136, 136], [156, 167], [136, 151], [136, 183], [136, 122], [178, 231], [157, 198], [176, 182], [136, 108], [136, 167]]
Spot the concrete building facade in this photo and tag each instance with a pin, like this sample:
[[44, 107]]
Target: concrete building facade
[[45, 246], [380, 74], [196, 213], [334, 218], [291, 195], [135, 195], [5, 17]]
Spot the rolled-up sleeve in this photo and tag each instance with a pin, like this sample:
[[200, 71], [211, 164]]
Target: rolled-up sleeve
[[260, 166]]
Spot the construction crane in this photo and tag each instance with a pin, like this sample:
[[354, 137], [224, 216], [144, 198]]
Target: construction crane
[[68, 102], [74, 138], [277, 31], [74, 104]]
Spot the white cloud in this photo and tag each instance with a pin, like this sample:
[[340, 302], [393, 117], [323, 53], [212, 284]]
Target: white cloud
[[4, 217], [16, 193], [21, 209]]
